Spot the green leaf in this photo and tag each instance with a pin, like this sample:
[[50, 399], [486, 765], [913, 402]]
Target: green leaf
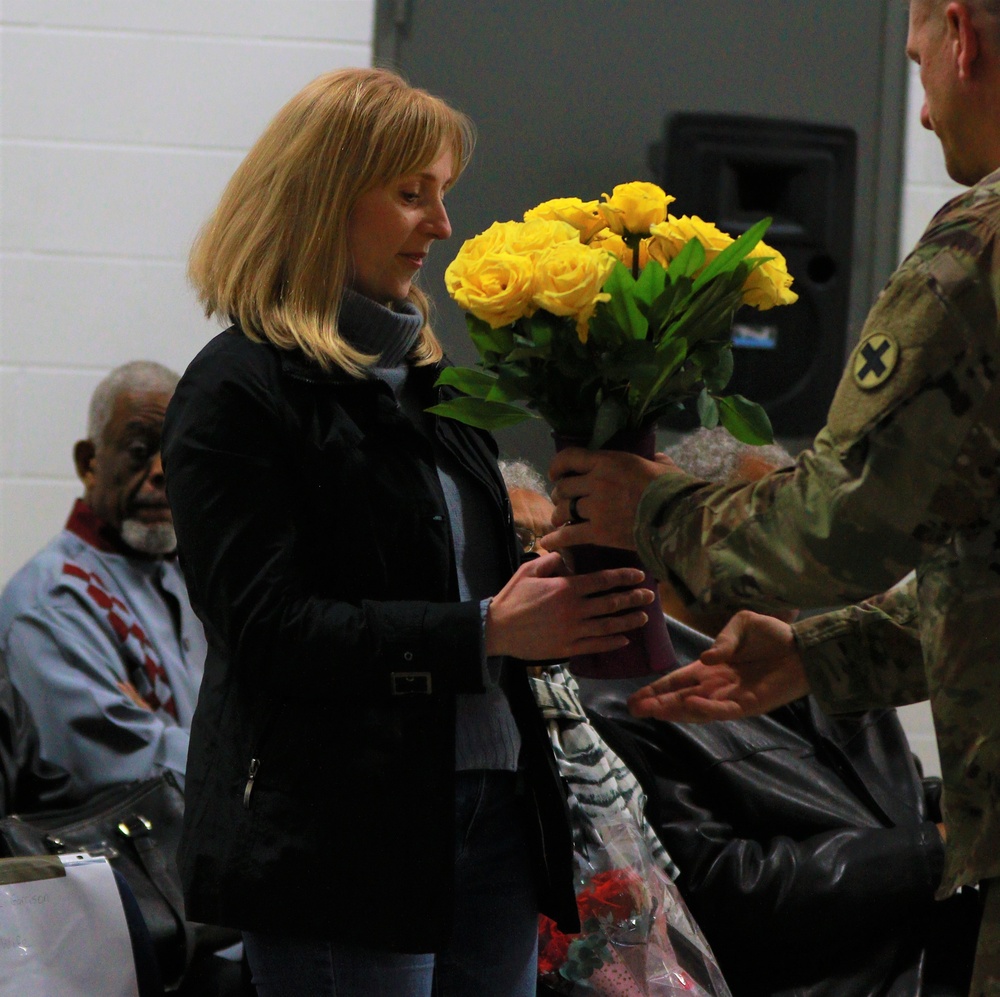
[[734, 252], [468, 380], [541, 331], [635, 359], [719, 375], [708, 410], [709, 314], [745, 419], [674, 298], [622, 305], [487, 340], [670, 356], [510, 390], [602, 328], [651, 283], [520, 353], [612, 415], [504, 391], [688, 261], [480, 413]]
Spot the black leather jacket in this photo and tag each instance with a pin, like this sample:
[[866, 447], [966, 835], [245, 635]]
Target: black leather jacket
[[807, 851], [27, 781], [316, 544]]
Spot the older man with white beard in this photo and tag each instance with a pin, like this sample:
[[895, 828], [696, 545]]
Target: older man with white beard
[[96, 629]]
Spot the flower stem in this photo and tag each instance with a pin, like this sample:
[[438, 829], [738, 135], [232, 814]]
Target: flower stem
[[634, 242]]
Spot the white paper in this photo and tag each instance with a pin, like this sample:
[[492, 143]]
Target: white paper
[[66, 937]]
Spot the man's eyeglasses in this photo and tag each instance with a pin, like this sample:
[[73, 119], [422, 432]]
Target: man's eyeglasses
[[526, 537]]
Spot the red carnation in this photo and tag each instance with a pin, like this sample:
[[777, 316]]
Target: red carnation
[[613, 895], [553, 946]]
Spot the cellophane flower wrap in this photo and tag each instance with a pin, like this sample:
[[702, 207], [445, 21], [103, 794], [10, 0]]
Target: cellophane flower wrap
[[604, 316], [638, 939]]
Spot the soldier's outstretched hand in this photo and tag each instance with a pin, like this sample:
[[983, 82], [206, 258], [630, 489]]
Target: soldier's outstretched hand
[[753, 667]]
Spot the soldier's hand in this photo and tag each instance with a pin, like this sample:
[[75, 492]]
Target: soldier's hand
[[752, 668], [596, 495]]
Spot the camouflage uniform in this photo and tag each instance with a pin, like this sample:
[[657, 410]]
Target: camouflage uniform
[[906, 474]]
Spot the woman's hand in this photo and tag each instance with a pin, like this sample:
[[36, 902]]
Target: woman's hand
[[542, 612], [753, 667]]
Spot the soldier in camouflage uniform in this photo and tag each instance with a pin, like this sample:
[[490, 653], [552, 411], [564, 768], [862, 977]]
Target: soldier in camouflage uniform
[[905, 475]]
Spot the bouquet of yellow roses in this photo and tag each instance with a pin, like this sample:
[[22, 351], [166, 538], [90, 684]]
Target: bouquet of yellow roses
[[603, 317]]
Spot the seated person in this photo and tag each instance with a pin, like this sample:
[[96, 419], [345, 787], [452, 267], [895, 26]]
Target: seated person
[[96, 629], [809, 847], [602, 792], [100, 653]]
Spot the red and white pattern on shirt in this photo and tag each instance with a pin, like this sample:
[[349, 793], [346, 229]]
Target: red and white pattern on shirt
[[150, 680]]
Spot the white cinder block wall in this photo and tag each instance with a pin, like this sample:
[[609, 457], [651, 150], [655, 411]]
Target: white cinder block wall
[[120, 121], [926, 187]]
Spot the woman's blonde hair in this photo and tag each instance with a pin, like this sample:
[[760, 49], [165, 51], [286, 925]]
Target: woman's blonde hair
[[274, 254]]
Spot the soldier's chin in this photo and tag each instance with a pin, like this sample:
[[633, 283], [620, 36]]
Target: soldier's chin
[[149, 538]]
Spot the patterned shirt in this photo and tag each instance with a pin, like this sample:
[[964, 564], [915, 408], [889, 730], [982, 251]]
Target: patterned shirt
[[104, 647], [905, 475], [601, 787]]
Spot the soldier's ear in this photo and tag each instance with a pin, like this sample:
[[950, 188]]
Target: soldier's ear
[[963, 37], [83, 458]]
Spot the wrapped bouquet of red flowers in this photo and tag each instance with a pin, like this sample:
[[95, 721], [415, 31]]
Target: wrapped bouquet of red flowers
[[637, 937]]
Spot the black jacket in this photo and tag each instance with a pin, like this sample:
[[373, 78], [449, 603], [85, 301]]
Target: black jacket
[[808, 855], [316, 544], [27, 781]]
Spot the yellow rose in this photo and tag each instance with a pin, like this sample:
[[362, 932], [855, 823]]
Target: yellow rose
[[668, 238], [615, 244], [533, 237], [495, 286], [520, 238], [582, 215], [568, 281], [494, 240], [770, 283], [635, 207]]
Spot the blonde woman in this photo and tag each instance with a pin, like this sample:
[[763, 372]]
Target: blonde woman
[[370, 796]]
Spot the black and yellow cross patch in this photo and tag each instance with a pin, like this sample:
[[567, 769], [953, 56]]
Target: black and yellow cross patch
[[874, 361]]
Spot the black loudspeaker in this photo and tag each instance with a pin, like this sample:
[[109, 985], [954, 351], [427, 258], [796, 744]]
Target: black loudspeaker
[[733, 171]]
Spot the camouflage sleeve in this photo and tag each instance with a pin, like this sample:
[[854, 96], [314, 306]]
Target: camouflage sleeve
[[899, 464], [865, 656]]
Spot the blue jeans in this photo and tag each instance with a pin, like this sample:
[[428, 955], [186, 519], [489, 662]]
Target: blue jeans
[[493, 951]]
